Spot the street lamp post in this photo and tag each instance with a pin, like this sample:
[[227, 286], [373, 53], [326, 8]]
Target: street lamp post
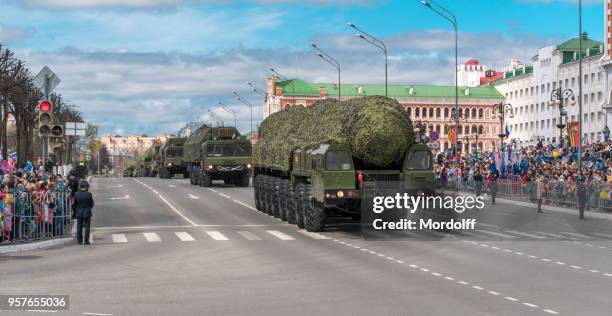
[[278, 74], [457, 117], [244, 101], [453, 20], [500, 110], [376, 42], [229, 110], [421, 127], [330, 61], [558, 98]]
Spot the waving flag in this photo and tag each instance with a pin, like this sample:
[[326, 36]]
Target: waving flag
[[507, 131]]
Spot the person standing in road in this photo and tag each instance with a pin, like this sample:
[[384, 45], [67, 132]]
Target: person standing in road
[[83, 205], [478, 182], [540, 191]]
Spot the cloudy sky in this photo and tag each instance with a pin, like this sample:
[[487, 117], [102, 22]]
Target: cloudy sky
[[150, 66]]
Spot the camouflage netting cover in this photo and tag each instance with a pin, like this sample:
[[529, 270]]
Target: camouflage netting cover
[[376, 129]]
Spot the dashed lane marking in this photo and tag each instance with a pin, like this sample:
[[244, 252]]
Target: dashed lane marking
[[151, 237], [224, 195], [248, 235], [575, 234], [119, 238], [184, 236], [216, 235], [602, 235], [97, 314]]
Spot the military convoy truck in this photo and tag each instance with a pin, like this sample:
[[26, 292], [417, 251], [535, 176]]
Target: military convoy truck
[[147, 163], [171, 160], [217, 153], [312, 162]]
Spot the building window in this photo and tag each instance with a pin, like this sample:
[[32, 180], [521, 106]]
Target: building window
[[431, 112], [445, 112], [573, 81], [480, 113], [417, 112], [586, 79], [438, 112], [424, 112]]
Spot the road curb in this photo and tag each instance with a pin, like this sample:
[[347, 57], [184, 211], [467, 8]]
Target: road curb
[[569, 211], [36, 245]]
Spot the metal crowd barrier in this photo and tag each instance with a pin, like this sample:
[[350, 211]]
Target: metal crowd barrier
[[33, 216], [556, 193]]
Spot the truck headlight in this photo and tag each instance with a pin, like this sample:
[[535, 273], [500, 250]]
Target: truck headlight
[[209, 167], [249, 165], [340, 194], [169, 164]]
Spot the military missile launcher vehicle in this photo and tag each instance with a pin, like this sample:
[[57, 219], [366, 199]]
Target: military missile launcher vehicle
[[171, 160], [217, 153], [311, 162]]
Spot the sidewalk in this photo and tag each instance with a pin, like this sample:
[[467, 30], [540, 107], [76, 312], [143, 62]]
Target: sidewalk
[[565, 210], [36, 245]]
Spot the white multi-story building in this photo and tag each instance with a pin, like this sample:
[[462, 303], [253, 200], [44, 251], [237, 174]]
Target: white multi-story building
[[606, 59], [531, 89]]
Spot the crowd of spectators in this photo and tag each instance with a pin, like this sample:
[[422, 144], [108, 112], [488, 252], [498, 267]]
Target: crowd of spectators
[[519, 170], [33, 204]]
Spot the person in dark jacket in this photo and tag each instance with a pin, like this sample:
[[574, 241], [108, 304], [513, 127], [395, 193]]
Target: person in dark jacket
[[83, 206], [582, 195], [73, 184]]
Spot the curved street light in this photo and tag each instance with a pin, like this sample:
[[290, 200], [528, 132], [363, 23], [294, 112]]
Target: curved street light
[[558, 98], [376, 42], [229, 110], [278, 74], [330, 60], [244, 101], [446, 14]]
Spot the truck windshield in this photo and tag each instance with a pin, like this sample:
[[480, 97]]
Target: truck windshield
[[338, 160], [174, 152], [228, 150], [418, 160]]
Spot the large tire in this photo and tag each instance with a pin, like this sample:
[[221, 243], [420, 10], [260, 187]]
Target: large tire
[[283, 200], [297, 200], [314, 213], [265, 194], [276, 188], [291, 215], [257, 192], [206, 179], [243, 180]]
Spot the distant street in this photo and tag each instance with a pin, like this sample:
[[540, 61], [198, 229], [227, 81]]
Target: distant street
[[171, 248]]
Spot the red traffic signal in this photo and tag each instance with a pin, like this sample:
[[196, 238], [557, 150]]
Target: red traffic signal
[[45, 106]]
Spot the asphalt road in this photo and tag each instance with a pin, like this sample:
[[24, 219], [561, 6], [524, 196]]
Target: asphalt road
[[165, 247]]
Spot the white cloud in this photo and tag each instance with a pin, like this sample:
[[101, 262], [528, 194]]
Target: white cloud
[[158, 92], [13, 34]]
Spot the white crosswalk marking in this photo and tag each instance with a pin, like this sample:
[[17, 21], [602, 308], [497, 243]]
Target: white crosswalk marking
[[574, 234], [91, 238], [151, 237], [313, 235], [495, 233], [602, 235], [184, 236], [248, 235], [527, 234], [216, 235], [119, 238], [279, 235]]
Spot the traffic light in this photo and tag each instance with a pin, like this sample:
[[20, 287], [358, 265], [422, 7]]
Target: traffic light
[[45, 118], [47, 125]]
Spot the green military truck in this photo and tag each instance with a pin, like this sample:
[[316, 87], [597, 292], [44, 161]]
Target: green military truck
[[217, 153], [147, 163], [309, 163], [171, 158]]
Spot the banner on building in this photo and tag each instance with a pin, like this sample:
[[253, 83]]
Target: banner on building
[[452, 135], [572, 132]]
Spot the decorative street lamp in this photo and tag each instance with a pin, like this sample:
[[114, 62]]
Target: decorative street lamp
[[500, 111], [278, 74], [229, 110], [446, 14], [376, 42], [558, 97], [330, 61]]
